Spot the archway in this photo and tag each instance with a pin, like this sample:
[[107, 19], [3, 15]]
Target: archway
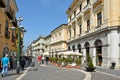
[[79, 48], [98, 45], [73, 48], [87, 47]]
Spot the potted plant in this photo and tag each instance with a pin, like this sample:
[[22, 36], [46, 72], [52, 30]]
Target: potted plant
[[78, 62], [90, 66]]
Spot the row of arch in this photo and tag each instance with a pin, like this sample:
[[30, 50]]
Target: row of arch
[[98, 45]]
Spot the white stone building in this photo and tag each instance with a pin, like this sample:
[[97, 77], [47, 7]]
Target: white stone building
[[94, 28]]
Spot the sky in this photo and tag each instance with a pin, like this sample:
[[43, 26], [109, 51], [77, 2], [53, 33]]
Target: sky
[[40, 17]]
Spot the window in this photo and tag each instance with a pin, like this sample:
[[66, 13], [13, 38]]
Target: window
[[7, 33], [0, 28], [69, 33], [74, 13], [73, 48], [80, 7], [99, 19], [74, 31], [69, 48], [80, 29], [79, 48], [6, 25], [88, 25], [88, 1], [70, 18]]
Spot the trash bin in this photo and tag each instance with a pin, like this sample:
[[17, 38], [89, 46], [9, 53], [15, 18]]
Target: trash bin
[[113, 65]]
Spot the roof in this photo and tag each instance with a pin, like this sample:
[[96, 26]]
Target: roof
[[59, 27]]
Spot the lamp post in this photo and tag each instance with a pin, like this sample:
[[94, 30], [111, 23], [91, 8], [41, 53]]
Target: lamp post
[[19, 29]]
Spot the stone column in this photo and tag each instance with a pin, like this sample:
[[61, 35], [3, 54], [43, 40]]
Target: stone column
[[94, 55], [84, 55], [114, 46]]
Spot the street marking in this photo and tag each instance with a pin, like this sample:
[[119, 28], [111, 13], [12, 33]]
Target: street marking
[[23, 74], [88, 74], [108, 74]]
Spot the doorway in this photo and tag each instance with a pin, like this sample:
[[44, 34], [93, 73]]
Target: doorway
[[99, 60]]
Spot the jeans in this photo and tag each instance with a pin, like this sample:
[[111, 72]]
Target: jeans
[[5, 70]]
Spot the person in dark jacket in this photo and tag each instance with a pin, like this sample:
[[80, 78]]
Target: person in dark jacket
[[11, 62], [22, 63], [47, 59]]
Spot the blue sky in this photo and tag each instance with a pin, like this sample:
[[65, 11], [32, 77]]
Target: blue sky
[[41, 16]]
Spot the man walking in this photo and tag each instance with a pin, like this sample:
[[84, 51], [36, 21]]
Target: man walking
[[5, 64], [22, 62]]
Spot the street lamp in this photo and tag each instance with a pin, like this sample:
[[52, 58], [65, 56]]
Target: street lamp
[[19, 29]]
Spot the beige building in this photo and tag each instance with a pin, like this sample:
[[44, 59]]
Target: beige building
[[8, 9], [47, 43], [94, 28], [59, 38]]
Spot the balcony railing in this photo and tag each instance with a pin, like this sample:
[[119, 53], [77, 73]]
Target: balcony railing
[[96, 2], [92, 30], [80, 14], [2, 3], [87, 7]]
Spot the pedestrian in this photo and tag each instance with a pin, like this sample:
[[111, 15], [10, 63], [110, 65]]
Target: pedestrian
[[11, 62], [47, 59], [5, 64], [43, 59], [22, 62], [39, 59]]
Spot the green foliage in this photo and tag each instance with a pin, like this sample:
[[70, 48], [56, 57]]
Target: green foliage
[[78, 61], [68, 60], [90, 63], [60, 60]]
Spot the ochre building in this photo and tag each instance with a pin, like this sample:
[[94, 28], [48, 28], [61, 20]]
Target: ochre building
[[8, 9]]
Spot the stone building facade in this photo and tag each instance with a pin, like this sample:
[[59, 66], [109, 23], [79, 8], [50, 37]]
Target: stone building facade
[[8, 9], [59, 38], [94, 29]]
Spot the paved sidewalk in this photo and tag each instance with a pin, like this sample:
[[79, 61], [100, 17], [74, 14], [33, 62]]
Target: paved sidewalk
[[11, 75], [110, 71], [105, 74]]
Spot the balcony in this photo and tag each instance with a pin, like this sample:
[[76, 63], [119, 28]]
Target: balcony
[[87, 7], [2, 3], [80, 14], [9, 12], [96, 2], [98, 27], [14, 21]]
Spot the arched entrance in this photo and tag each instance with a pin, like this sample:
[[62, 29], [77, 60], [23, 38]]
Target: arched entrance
[[98, 45], [87, 47], [79, 48], [73, 48]]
